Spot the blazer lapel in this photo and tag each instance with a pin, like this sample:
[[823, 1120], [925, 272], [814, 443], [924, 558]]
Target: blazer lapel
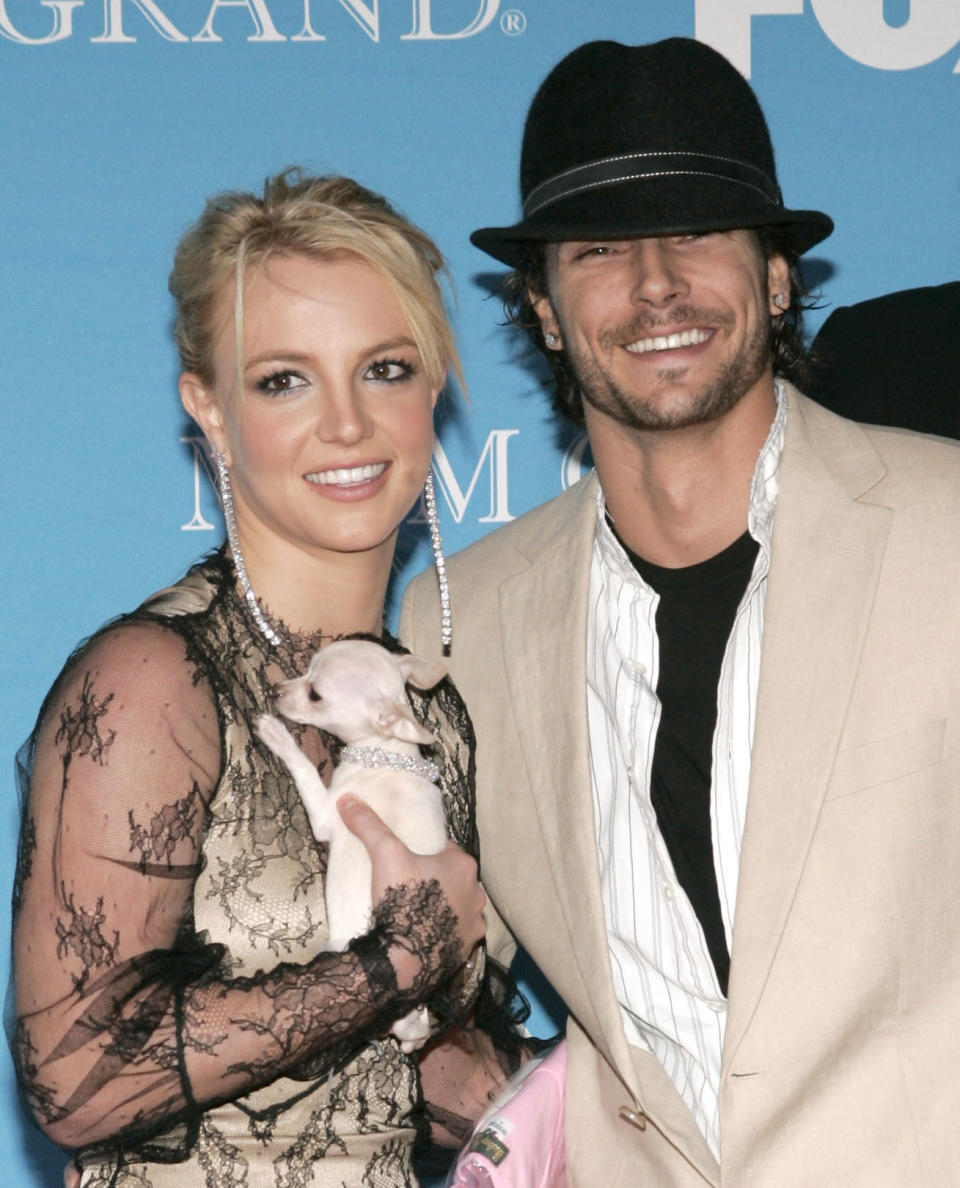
[[826, 557], [543, 611]]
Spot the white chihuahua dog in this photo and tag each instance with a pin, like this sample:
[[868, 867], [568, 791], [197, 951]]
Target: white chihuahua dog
[[355, 690]]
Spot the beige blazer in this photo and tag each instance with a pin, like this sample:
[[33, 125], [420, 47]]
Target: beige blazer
[[841, 1063]]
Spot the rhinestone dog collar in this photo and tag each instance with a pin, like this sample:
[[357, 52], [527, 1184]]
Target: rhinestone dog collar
[[378, 757]]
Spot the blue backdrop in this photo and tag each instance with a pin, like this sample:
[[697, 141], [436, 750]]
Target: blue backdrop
[[120, 116]]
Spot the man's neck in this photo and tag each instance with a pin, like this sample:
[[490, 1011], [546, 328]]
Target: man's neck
[[680, 496]]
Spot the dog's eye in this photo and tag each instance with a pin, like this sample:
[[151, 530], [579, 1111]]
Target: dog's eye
[[314, 695]]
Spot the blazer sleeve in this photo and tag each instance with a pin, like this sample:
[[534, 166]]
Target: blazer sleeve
[[419, 631]]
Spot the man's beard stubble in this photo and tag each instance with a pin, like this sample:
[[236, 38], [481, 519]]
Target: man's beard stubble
[[718, 396]]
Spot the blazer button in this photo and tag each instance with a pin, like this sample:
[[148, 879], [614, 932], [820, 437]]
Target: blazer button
[[635, 1117]]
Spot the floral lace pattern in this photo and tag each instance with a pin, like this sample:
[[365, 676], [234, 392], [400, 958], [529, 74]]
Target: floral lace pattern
[[177, 1019]]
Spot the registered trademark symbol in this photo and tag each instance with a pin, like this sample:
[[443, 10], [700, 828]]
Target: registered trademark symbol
[[513, 22]]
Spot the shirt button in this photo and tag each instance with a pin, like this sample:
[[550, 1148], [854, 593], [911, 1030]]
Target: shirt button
[[635, 667], [717, 1005], [667, 891], [635, 1117]]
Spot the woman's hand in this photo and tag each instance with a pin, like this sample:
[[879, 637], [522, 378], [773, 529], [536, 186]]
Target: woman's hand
[[394, 865]]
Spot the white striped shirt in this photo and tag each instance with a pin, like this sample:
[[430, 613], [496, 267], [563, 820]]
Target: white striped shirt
[[664, 979]]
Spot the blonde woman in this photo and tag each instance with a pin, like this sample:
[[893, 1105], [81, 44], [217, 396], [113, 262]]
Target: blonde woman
[[178, 1021]]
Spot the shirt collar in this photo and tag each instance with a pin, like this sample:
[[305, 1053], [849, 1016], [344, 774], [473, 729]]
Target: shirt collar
[[764, 487], [766, 474]]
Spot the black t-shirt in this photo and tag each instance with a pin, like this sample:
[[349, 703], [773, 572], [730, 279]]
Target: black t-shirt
[[695, 615]]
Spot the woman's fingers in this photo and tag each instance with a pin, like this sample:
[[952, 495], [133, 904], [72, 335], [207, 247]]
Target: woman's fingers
[[395, 865]]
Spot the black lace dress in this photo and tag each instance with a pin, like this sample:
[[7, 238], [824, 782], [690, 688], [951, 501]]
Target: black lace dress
[[176, 1020]]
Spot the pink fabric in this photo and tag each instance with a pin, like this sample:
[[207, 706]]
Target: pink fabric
[[519, 1142]]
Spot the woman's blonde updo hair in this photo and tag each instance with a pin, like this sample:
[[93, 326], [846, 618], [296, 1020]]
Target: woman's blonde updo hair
[[322, 217]]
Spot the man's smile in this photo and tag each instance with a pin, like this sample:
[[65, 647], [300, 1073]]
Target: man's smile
[[668, 342]]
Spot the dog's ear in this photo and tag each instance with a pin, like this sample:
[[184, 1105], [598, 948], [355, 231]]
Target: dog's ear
[[420, 672], [393, 719]]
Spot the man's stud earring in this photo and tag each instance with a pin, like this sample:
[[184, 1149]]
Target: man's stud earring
[[780, 301], [551, 339]]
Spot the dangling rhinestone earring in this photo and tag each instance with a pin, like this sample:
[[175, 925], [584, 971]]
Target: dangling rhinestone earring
[[433, 521], [226, 502]]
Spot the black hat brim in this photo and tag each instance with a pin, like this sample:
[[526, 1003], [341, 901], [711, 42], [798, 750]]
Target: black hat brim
[[662, 206]]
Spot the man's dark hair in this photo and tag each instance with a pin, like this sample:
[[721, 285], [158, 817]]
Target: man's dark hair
[[530, 278], [789, 340]]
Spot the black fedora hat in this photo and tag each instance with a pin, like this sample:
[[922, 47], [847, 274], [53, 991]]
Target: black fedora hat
[[658, 139]]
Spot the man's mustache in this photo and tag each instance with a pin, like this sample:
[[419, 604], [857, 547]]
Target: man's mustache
[[646, 323]]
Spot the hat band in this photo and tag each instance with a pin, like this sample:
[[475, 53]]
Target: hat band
[[636, 166]]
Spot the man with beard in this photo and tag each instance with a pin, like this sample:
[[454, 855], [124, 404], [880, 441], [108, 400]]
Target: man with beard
[[715, 683]]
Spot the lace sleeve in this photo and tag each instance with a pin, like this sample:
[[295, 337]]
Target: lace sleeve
[[127, 1022]]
